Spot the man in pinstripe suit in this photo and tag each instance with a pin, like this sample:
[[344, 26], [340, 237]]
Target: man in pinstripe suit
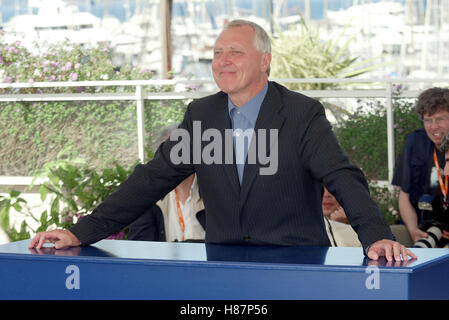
[[242, 204]]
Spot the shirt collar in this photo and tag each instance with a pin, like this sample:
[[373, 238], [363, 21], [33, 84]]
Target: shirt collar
[[194, 194], [251, 108], [194, 191]]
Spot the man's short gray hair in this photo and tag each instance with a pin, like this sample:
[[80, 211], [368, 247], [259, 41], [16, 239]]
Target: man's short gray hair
[[165, 132], [262, 41]]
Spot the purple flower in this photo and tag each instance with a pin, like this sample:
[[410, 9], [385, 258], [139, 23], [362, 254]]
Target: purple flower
[[77, 66], [68, 66], [74, 76], [395, 125], [79, 216], [52, 78]]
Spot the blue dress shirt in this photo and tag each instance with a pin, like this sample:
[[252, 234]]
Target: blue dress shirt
[[243, 122]]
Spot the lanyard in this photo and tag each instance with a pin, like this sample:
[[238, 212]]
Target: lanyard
[[181, 219], [443, 186]]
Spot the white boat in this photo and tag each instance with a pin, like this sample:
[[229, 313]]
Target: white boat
[[55, 22], [391, 30], [386, 29]]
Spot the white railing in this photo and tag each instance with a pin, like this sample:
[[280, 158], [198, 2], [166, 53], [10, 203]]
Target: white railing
[[383, 88]]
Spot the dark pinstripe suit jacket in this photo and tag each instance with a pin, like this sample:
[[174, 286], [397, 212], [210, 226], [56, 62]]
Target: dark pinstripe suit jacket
[[279, 209]]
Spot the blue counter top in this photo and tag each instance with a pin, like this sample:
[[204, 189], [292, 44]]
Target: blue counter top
[[120, 269]]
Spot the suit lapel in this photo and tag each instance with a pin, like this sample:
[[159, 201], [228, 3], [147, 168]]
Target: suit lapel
[[223, 122], [268, 119]]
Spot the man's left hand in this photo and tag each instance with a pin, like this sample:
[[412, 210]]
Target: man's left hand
[[391, 250]]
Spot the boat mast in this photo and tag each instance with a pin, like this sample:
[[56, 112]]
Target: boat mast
[[166, 8]]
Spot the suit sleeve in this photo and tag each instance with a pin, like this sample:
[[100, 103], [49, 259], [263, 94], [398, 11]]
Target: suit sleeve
[[147, 184], [328, 163], [148, 227]]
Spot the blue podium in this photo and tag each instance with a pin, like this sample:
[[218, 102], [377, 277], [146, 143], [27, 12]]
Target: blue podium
[[115, 269]]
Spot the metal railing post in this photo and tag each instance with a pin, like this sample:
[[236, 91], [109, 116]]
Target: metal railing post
[[140, 123], [390, 129]]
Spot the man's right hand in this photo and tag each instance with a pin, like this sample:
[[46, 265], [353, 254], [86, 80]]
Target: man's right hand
[[60, 238]]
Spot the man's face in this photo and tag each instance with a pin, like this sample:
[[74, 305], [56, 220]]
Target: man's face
[[436, 126], [238, 68], [329, 203]]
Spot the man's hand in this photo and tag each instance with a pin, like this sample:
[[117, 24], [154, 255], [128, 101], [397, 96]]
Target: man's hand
[[416, 234], [339, 215], [445, 234], [61, 238], [389, 249]]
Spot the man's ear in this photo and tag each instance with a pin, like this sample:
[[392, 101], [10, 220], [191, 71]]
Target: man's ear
[[266, 61]]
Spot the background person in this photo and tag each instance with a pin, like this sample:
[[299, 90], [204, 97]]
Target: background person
[[332, 209], [444, 147], [341, 234], [419, 168], [339, 231], [179, 216]]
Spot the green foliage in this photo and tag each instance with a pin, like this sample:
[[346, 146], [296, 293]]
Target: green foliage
[[101, 132], [61, 62], [73, 189], [387, 200], [32, 134], [159, 114], [12, 200], [363, 136], [85, 138], [79, 188], [303, 54]]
